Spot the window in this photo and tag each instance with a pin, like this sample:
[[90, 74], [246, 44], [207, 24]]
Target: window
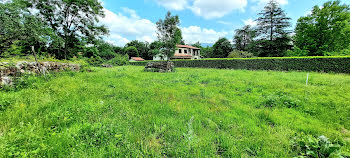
[[180, 51], [185, 51]]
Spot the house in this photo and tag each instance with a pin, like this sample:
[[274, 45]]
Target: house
[[182, 52], [187, 52], [136, 59]]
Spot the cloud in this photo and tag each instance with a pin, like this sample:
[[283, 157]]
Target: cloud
[[173, 4], [128, 25], [193, 34], [209, 9], [250, 22], [224, 22]]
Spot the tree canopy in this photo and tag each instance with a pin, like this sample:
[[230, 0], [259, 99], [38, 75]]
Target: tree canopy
[[168, 34], [274, 39], [71, 20], [326, 29], [221, 48]]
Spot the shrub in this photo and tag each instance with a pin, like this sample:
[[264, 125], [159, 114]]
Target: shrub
[[297, 52], [318, 64], [119, 60], [320, 147], [240, 54], [132, 51]]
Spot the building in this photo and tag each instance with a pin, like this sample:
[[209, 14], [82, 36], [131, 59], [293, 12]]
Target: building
[[187, 52], [136, 59], [182, 52]]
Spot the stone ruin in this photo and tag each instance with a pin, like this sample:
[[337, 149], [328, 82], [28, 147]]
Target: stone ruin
[[160, 67], [10, 71]]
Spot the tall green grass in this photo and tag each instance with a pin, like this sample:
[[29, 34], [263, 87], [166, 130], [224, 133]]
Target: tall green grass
[[126, 112]]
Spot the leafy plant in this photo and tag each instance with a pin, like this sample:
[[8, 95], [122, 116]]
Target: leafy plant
[[316, 147]]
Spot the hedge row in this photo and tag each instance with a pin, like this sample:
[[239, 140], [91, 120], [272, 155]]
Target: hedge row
[[318, 64]]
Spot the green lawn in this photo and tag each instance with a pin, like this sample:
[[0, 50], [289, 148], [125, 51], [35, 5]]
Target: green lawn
[[125, 112]]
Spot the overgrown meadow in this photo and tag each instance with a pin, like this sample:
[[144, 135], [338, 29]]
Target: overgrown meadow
[[126, 112]]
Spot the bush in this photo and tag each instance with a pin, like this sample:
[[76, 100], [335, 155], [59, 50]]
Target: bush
[[132, 51], [119, 60], [240, 54], [318, 64], [297, 52]]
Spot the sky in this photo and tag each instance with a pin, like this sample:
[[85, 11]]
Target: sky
[[203, 21]]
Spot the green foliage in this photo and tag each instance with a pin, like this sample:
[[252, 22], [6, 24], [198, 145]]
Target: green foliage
[[312, 147], [95, 61], [207, 51], [280, 100], [334, 64], [325, 31], [168, 34], [178, 37], [126, 112], [132, 51], [297, 52], [222, 48], [14, 50], [71, 20], [244, 38], [142, 48], [274, 39], [119, 60], [21, 28], [240, 54]]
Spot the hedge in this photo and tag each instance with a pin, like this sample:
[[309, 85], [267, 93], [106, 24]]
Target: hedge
[[318, 64]]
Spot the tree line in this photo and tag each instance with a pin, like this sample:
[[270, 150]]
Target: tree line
[[65, 29]]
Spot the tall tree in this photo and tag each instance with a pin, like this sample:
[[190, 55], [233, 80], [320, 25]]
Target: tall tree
[[71, 20], [272, 30], [167, 29], [18, 25], [244, 38], [221, 48], [326, 29]]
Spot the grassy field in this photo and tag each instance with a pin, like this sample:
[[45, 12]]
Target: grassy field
[[126, 112]]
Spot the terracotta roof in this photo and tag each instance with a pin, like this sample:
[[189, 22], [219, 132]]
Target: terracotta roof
[[186, 46], [137, 59]]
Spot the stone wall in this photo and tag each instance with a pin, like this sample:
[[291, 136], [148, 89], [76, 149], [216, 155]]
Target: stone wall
[[9, 71]]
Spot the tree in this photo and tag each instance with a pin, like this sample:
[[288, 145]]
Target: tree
[[221, 48], [71, 20], [167, 29], [244, 38], [326, 29], [142, 48], [132, 51], [178, 37], [20, 27], [197, 44], [272, 30], [207, 52]]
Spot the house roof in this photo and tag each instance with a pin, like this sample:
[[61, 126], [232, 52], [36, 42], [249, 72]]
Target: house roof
[[137, 59], [186, 46]]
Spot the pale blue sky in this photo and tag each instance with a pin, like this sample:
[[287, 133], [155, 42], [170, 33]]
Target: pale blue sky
[[201, 20]]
